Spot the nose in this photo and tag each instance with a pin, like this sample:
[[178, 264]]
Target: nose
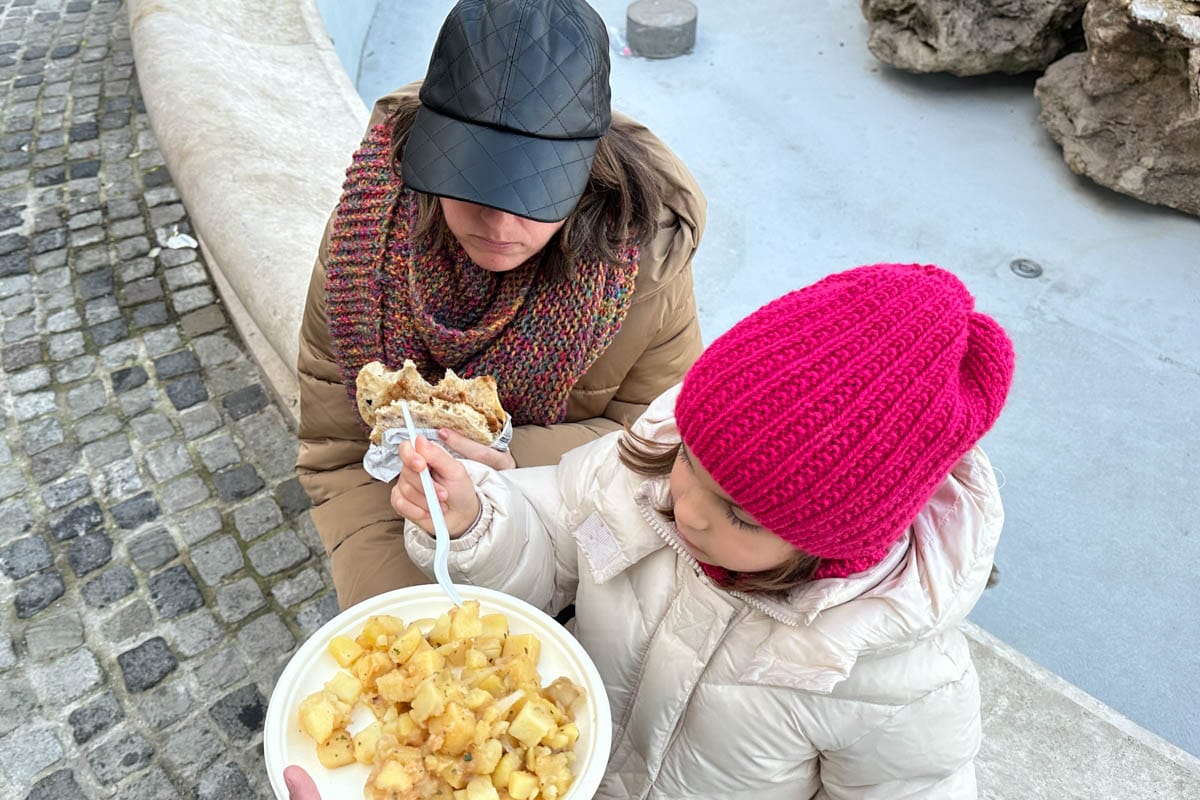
[[688, 512], [495, 218]]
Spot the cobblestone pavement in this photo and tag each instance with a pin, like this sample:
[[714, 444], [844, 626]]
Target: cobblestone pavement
[[158, 564]]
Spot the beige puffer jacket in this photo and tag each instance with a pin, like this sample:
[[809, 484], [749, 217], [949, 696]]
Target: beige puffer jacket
[[848, 688], [658, 341]]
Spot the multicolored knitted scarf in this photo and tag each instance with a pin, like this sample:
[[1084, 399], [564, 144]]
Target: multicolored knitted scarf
[[389, 298]]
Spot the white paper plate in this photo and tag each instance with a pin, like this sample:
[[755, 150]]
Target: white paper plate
[[311, 666]]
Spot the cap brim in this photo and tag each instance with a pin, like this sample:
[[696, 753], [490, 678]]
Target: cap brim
[[541, 179]]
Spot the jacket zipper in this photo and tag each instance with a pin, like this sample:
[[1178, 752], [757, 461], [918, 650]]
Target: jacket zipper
[[652, 518]]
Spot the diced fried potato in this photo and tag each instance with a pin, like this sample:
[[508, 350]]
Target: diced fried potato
[[465, 622], [509, 763], [425, 663], [531, 724], [379, 627], [522, 785], [480, 788], [393, 776], [495, 625], [406, 730], [337, 750], [366, 742], [370, 666], [344, 650], [564, 693], [347, 687], [523, 645], [429, 701], [394, 687], [457, 726], [486, 757], [441, 631], [490, 646], [321, 713], [403, 646]]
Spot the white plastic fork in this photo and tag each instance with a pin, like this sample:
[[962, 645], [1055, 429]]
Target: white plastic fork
[[441, 550]]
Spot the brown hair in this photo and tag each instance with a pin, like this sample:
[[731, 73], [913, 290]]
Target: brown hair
[[656, 460], [619, 206]]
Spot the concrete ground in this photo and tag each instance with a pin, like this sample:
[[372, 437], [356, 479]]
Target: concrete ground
[[816, 158]]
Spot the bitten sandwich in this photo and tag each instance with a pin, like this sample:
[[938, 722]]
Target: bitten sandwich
[[467, 406]]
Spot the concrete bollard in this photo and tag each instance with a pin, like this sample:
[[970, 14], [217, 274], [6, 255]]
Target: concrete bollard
[[661, 28]]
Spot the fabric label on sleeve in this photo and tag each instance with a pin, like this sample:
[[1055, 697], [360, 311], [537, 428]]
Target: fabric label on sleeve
[[601, 548]]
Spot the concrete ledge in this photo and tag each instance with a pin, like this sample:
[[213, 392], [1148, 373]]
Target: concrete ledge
[[256, 119]]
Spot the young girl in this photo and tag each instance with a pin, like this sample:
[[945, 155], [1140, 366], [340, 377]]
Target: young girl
[[769, 567]]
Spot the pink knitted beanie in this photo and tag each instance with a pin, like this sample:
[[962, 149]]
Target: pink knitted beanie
[[833, 413]]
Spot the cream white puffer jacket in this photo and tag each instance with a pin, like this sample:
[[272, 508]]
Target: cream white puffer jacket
[[847, 688]]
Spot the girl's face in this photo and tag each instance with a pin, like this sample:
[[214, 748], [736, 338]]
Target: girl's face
[[716, 530], [496, 240]]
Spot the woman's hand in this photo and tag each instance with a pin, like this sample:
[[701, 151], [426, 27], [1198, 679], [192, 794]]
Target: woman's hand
[[454, 487], [467, 448], [300, 784]]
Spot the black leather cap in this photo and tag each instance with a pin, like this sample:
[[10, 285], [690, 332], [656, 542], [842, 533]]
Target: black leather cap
[[514, 101]]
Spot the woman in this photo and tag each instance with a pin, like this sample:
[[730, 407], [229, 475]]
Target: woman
[[497, 220]]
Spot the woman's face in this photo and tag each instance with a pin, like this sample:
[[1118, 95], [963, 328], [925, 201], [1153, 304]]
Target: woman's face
[[715, 529], [496, 240]]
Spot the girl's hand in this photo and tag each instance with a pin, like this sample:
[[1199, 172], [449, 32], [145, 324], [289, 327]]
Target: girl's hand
[[454, 487], [300, 785], [475, 451]]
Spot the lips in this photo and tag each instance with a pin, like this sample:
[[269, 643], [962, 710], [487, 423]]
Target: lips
[[493, 245]]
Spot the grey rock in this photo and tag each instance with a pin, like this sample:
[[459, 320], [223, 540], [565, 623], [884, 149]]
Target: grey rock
[[106, 451], [49, 637], [239, 600], [68, 678], [141, 291], [8, 655], [240, 713], [21, 354], [266, 636], [34, 404], [83, 400], [119, 354], [153, 785], [95, 717], [129, 622], [196, 632], [315, 613], [129, 378], [15, 518], [969, 37], [277, 553], [54, 462], [120, 757], [218, 453], [168, 460], [94, 284], [25, 753], [18, 703], [56, 786], [89, 553], [1125, 112], [109, 586], [199, 420], [205, 320], [77, 522], [102, 309], [237, 483], [161, 341], [226, 781], [149, 315], [76, 369], [25, 557], [107, 333], [298, 588], [146, 665], [149, 428], [231, 378], [215, 349], [217, 559], [66, 345], [137, 269], [186, 275], [184, 493], [135, 511], [166, 704], [256, 518], [197, 525], [174, 592], [274, 445], [12, 481], [29, 380], [63, 321], [192, 748], [152, 549], [196, 297], [62, 494], [186, 392], [220, 671], [245, 402]]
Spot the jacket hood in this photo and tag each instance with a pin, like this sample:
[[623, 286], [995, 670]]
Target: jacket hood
[[929, 581]]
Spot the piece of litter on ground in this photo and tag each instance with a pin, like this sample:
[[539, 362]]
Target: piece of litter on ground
[[154, 251], [173, 239]]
